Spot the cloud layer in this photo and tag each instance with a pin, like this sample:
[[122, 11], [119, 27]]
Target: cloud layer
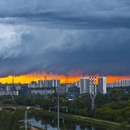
[[62, 36]]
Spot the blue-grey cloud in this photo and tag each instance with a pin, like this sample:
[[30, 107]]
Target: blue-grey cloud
[[70, 13], [60, 36]]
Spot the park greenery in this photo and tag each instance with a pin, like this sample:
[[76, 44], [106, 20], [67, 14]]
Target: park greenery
[[114, 106], [11, 120]]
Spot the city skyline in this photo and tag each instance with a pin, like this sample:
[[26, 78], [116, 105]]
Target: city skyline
[[28, 78], [86, 37], [64, 64]]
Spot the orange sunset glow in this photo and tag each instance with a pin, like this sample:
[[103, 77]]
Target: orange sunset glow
[[38, 76], [27, 78]]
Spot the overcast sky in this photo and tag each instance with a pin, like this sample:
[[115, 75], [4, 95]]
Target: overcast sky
[[60, 36]]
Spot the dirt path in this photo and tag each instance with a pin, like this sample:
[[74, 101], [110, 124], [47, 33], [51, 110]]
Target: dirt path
[[33, 128]]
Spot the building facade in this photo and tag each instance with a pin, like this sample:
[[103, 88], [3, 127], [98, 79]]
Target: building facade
[[102, 85]]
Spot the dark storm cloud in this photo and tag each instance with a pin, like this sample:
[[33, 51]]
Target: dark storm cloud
[[61, 36], [69, 13]]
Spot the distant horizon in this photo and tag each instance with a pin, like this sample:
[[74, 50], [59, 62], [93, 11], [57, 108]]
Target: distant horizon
[[28, 78]]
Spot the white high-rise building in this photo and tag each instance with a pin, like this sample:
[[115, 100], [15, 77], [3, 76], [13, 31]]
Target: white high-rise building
[[87, 85], [110, 85], [52, 83], [77, 84], [125, 83], [40, 83], [102, 85], [82, 85], [47, 83], [55, 83], [92, 86], [117, 84]]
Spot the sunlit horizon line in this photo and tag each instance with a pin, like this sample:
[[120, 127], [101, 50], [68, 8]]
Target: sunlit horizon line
[[28, 78]]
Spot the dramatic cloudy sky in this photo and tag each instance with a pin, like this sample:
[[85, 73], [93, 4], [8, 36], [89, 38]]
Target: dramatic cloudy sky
[[60, 36]]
